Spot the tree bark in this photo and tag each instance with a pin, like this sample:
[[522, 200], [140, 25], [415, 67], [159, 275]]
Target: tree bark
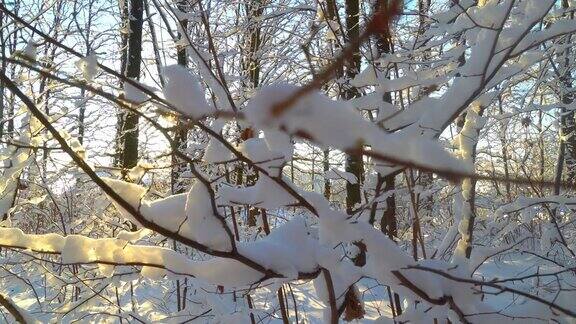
[[251, 68], [567, 117], [354, 163], [129, 123], [181, 134]]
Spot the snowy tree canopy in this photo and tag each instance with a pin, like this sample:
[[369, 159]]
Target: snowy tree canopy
[[287, 161]]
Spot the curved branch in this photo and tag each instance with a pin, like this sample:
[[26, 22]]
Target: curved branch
[[12, 309], [493, 284]]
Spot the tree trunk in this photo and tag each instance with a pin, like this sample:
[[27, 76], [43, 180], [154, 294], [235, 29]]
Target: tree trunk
[[123, 61], [326, 166], [251, 68], [87, 44], [468, 140], [129, 123], [181, 134], [567, 117], [567, 145], [3, 66], [354, 163]]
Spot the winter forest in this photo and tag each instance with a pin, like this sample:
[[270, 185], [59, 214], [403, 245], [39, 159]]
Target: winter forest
[[287, 161]]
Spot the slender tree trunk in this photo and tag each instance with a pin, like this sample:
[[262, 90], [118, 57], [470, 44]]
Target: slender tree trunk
[[254, 9], [504, 144], [11, 98], [557, 181], [125, 13], [388, 221], [567, 145], [44, 88], [3, 64], [468, 140], [87, 44], [129, 123], [180, 139], [181, 134], [251, 67], [326, 166], [567, 117], [354, 163]]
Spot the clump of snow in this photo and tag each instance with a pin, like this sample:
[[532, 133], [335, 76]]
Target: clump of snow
[[267, 157], [279, 142], [15, 237], [266, 193], [190, 214], [201, 221], [289, 249], [332, 123], [77, 147], [133, 236], [183, 90], [137, 172], [156, 261], [339, 125], [216, 151], [335, 174], [135, 95], [30, 51], [88, 66], [167, 212], [130, 192]]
